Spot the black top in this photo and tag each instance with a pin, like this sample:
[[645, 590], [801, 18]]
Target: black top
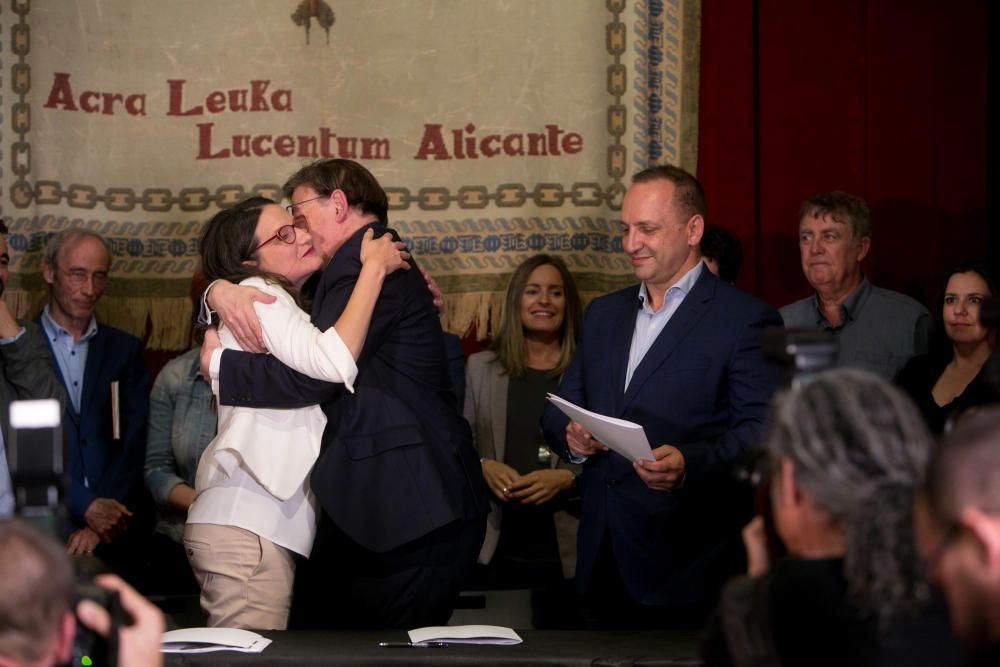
[[525, 403], [920, 375], [800, 614]]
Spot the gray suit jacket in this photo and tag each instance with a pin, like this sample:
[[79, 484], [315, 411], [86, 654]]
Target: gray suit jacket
[[486, 411], [25, 373]]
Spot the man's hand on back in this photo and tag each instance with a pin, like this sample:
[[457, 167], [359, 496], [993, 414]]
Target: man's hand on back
[[234, 306]]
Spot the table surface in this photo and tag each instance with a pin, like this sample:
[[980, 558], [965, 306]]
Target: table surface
[[540, 647]]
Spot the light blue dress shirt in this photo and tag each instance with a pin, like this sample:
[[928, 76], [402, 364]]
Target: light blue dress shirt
[[70, 355], [649, 323]]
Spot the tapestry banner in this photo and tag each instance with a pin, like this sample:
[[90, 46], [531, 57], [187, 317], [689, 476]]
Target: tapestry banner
[[499, 129]]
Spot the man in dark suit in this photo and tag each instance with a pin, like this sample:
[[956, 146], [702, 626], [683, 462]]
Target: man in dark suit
[[679, 354], [107, 501], [398, 479], [25, 373]]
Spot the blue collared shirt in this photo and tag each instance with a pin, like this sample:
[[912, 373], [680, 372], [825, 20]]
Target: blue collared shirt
[[649, 323], [70, 355]]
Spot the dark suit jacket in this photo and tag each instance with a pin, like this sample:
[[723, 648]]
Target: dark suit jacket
[[26, 373], [702, 387], [112, 468], [397, 459]]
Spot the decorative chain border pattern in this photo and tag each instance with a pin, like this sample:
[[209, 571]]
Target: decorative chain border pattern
[[190, 199]]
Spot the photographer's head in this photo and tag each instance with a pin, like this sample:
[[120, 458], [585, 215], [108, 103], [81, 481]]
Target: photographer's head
[[958, 526], [848, 449], [36, 591]]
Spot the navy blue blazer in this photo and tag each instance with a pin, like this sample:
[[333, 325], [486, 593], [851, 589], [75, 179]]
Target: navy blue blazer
[[397, 458], [100, 466], [703, 387]]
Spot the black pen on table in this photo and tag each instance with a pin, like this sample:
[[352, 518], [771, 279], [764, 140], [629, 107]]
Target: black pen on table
[[413, 644]]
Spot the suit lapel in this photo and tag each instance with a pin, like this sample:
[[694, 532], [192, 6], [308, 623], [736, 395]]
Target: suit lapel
[[70, 410], [97, 353], [680, 325], [622, 325]]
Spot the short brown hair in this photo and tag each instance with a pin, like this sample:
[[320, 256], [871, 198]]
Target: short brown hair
[[689, 196], [357, 183], [842, 207], [36, 590]]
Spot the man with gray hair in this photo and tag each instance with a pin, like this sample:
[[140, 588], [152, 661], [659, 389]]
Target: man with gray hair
[[876, 329], [958, 530], [105, 418]]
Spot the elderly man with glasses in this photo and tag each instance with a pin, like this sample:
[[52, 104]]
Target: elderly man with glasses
[[105, 419]]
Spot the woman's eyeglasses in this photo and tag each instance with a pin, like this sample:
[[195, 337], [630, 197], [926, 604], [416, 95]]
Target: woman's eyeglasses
[[285, 234]]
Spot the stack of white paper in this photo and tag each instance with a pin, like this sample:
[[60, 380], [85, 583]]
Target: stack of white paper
[[620, 435], [466, 634], [204, 640]]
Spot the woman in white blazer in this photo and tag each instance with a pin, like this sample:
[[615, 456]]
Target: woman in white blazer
[[254, 513], [504, 399]]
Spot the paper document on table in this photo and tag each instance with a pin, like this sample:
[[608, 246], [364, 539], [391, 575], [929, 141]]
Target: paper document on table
[[204, 640], [625, 437], [466, 634]]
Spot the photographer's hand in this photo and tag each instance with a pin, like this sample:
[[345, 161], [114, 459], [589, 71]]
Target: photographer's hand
[[138, 643], [755, 542], [82, 541], [106, 517]]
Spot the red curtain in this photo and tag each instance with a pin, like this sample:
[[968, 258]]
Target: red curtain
[[880, 98]]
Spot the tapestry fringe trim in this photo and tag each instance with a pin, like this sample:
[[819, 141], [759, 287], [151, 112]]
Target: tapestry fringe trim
[[167, 319]]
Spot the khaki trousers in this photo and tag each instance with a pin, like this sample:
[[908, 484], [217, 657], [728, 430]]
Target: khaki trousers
[[245, 580]]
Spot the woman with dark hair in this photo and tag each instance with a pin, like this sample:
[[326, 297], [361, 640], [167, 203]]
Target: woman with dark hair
[[254, 513], [504, 399], [952, 377], [845, 452]]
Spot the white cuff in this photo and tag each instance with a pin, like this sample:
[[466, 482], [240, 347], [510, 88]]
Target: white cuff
[[213, 368], [205, 313]]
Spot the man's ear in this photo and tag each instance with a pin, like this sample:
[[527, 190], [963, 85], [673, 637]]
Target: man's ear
[[341, 207], [784, 481], [48, 272], [864, 245], [985, 529], [696, 229], [64, 638]]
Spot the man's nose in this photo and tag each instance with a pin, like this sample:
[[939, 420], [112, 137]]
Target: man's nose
[[628, 242]]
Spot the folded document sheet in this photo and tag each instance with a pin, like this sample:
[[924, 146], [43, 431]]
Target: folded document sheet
[[466, 634], [204, 640]]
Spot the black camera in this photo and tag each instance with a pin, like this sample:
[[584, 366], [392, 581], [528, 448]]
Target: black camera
[[801, 353], [39, 472]]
